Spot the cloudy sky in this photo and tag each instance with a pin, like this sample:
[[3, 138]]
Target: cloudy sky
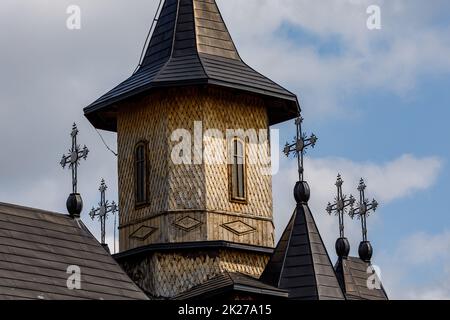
[[378, 100]]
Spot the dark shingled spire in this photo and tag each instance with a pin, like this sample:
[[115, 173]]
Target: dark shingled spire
[[300, 263], [191, 45]]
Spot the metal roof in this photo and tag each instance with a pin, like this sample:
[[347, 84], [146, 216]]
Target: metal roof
[[300, 263], [191, 45], [228, 282], [36, 249], [353, 275]]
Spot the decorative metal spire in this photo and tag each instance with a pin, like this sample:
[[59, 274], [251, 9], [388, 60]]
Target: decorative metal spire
[[299, 146], [340, 206], [74, 156], [364, 208], [102, 211]]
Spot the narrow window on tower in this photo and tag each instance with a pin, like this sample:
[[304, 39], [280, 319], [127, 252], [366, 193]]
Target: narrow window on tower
[[141, 173], [238, 171]]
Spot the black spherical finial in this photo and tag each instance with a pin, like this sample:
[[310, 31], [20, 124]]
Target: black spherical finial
[[342, 247], [74, 205], [302, 192], [365, 251]]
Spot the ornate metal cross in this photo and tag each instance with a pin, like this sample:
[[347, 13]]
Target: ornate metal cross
[[341, 204], [102, 211], [364, 208], [299, 146], [74, 156]]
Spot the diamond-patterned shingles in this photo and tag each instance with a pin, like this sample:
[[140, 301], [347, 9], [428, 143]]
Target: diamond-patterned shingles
[[238, 227], [187, 223], [142, 233]]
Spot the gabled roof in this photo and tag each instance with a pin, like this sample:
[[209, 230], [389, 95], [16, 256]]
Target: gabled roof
[[36, 249], [353, 275], [228, 282], [300, 263], [191, 45]]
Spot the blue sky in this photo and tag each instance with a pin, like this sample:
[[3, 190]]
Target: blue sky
[[378, 100]]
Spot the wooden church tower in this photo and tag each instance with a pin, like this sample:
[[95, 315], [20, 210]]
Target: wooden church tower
[[183, 224]]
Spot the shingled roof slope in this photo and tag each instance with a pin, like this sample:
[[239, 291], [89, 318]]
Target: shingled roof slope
[[191, 45], [300, 263], [37, 247], [228, 282], [353, 275]]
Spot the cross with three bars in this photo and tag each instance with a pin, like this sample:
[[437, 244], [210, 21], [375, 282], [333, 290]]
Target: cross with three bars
[[102, 211], [74, 156], [364, 208], [299, 146], [341, 204]]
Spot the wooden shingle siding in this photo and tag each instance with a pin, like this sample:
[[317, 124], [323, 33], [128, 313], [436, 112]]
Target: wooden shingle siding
[[199, 191], [167, 274]]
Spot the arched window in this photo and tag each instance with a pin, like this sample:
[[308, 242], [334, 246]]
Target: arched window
[[140, 159], [238, 172]]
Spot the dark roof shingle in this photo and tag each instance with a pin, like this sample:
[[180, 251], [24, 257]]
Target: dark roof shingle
[[37, 247], [191, 45], [228, 282]]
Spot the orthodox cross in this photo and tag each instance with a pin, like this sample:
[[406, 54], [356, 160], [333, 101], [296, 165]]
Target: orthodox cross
[[299, 145], [364, 208], [102, 211], [74, 156], [341, 204]]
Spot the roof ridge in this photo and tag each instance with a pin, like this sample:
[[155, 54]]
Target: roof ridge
[[173, 41], [294, 216], [227, 30], [325, 248], [268, 274], [293, 264], [313, 264], [196, 45]]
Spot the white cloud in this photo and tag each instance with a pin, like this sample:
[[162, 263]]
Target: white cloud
[[411, 259], [439, 291], [392, 59], [428, 248], [389, 181]]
